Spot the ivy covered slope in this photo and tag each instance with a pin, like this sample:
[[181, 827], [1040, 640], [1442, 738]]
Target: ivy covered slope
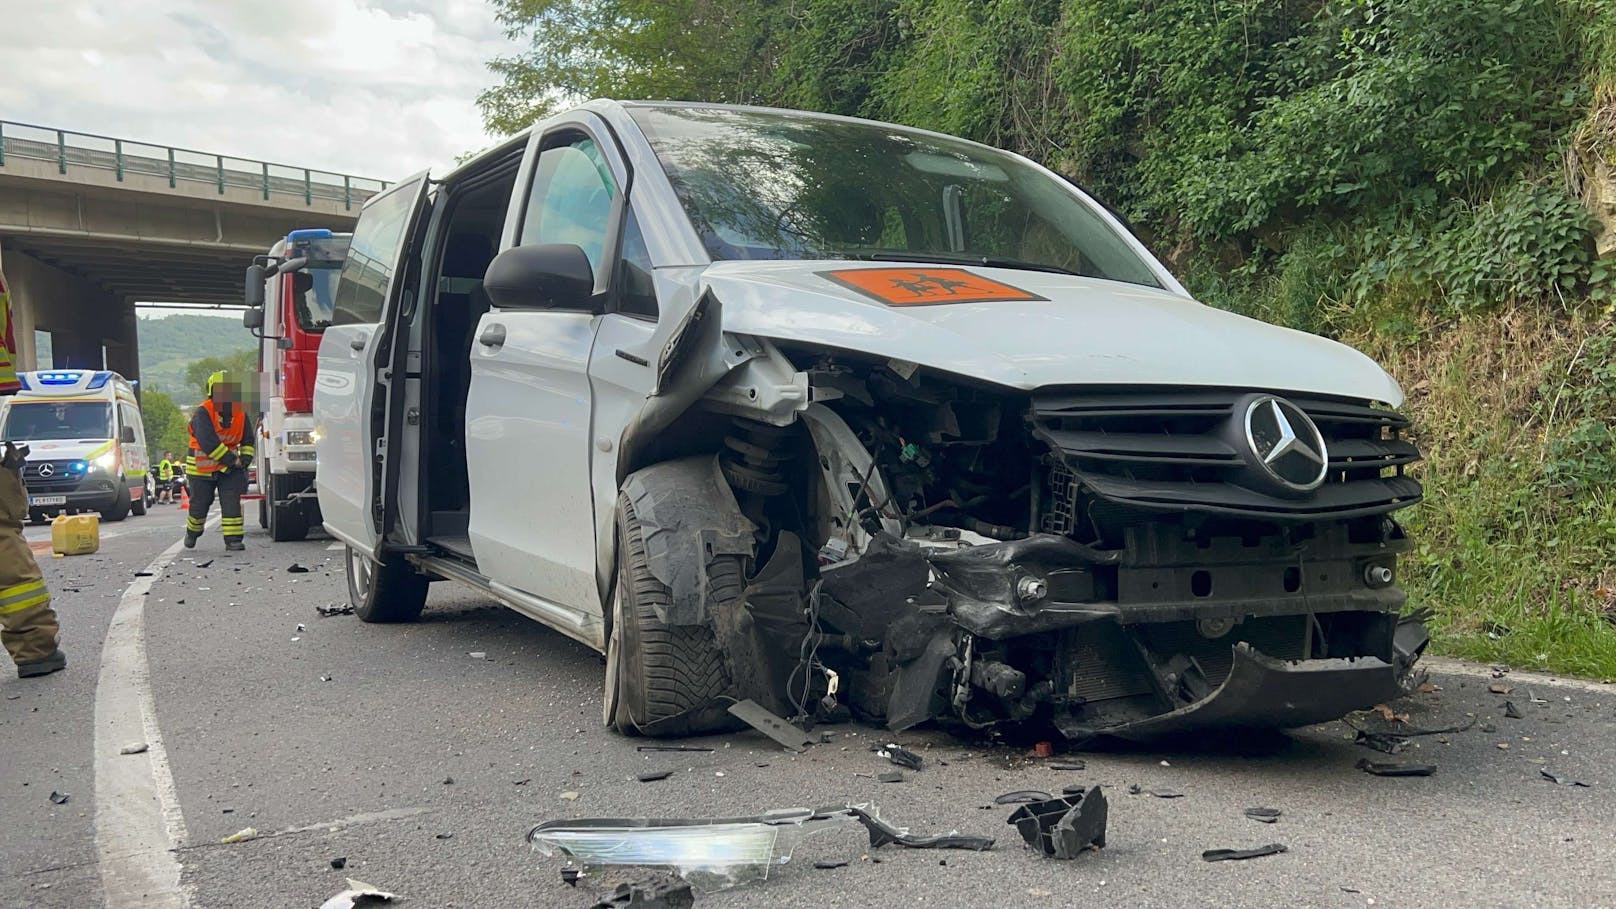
[[1433, 181]]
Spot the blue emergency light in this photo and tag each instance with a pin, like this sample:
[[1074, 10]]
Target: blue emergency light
[[308, 233], [99, 380], [60, 378]]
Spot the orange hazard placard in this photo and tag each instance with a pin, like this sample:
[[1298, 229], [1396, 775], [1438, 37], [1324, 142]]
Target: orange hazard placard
[[922, 286]]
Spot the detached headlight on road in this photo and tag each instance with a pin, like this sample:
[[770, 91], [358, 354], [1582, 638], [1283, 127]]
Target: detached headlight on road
[[301, 437]]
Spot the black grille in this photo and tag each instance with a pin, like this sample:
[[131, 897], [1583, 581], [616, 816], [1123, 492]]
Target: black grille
[[1172, 449], [61, 478]]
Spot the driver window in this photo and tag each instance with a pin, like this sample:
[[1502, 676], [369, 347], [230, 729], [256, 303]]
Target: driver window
[[571, 201]]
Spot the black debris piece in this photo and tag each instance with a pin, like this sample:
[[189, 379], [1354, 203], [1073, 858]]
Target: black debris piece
[[143, 574], [204, 564], [1234, 855], [569, 876], [59, 798], [445, 835], [1512, 712], [179, 602], [1265, 815], [1135, 789], [1067, 765], [827, 865], [295, 568], [655, 775], [1387, 769], [658, 893], [339, 863], [672, 748], [1022, 797], [890, 776], [1488, 727], [1562, 780], [1066, 827], [327, 612], [1167, 793], [1382, 741], [448, 781], [903, 757], [760, 718], [522, 782], [883, 833]]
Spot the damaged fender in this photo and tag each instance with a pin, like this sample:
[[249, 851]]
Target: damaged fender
[[688, 515]]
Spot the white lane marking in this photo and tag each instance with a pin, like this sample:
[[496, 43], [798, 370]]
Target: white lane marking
[[138, 822], [1515, 677]]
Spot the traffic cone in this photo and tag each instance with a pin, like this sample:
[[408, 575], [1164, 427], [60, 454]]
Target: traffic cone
[[185, 497]]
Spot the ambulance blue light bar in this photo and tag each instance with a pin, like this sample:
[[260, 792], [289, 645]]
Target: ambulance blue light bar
[[308, 233], [60, 378]]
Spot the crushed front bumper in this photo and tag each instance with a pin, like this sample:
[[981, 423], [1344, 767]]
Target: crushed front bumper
[[1264, 693]]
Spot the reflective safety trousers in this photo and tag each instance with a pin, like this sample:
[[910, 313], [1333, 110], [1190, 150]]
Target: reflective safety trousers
[[28, 624]]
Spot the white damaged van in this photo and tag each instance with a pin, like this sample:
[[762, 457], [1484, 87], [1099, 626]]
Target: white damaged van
[[847, 418]]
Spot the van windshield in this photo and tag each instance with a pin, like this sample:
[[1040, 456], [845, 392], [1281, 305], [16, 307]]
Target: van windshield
[[89, 421], [777, 185]]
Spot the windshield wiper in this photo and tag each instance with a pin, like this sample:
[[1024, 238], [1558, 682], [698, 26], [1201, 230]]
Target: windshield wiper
[[946, 259]]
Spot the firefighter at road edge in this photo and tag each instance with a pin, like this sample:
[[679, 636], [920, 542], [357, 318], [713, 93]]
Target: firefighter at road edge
[[221, 451], [27, 622]]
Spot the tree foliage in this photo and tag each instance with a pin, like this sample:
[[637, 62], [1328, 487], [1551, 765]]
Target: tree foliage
[[242, 365], [1409, 146], [165, 424]]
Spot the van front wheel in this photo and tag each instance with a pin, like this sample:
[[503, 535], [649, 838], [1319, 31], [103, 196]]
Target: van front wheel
[[390, 590], [663, 680]]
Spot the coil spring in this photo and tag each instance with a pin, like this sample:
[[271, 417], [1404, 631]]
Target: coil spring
[[755, 456]]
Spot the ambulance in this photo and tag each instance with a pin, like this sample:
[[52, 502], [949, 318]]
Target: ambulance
[[86, 439]]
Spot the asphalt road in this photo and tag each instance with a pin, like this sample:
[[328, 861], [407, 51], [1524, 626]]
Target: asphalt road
[[423, 767]]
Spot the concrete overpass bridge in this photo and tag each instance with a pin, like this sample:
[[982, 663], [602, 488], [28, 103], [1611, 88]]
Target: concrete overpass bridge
[[92, 226]]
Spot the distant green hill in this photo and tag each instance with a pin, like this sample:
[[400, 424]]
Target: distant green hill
[[169, 344]]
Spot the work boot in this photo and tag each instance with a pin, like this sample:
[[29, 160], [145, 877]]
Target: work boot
[[190, 539], [234, 544], [56, 662]]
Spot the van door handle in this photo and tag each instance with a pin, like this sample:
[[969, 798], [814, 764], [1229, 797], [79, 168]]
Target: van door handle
[[492, 336], [357, 343]]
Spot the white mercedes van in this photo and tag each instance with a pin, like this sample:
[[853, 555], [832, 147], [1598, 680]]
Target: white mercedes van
[[847, 418], [86, 439]]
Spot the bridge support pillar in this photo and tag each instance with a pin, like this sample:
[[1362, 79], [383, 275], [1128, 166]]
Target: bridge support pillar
[[90, 328]]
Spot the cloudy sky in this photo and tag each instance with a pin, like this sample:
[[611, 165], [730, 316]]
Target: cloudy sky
[[376, 88]]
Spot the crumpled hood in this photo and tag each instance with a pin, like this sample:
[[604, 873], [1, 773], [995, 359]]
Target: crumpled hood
[[1084, 332]]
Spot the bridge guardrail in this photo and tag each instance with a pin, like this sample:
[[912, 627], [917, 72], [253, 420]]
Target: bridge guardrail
[[124, 156]]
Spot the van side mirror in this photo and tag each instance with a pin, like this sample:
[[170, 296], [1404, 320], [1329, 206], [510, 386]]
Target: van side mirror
[[253, 292], [128, 434], [253, 318], [541, 276]]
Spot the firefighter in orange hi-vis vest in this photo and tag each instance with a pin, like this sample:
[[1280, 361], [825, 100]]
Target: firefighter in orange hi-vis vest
[[221, 451], [27, 622]]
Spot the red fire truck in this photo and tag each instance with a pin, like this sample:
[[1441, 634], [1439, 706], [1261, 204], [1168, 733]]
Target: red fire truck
[[289, 294]]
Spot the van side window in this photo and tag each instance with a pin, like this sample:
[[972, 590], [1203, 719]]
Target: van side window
[[571, 201], [362, 287], [131, 418], [636, 291]]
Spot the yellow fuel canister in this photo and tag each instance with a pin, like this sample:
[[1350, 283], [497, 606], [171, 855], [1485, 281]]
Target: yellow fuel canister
[[78, 534]]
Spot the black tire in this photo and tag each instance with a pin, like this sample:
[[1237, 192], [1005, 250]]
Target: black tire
[[138, 506], [664, 681], [387, 591], [263, 504], [119, 509]]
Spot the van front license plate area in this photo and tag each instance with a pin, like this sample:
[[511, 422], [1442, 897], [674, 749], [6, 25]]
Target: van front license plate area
[[47, 500]]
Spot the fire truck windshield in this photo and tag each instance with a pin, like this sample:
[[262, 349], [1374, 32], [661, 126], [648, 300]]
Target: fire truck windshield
[[313, 305]]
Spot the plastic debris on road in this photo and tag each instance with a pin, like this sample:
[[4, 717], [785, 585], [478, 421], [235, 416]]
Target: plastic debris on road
[[1065, 827], [1234, 855], [327, 612], [657, 893], [719, 853], [241, 836], [1387, 769], [1264, 815], [59, 798], [136, 748], [358, 893]]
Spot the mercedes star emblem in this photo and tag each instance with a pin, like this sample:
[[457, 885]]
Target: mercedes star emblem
[[1287, 443], [46, 470]]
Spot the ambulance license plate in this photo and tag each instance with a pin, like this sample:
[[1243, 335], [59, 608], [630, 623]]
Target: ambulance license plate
[[47, 500]]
